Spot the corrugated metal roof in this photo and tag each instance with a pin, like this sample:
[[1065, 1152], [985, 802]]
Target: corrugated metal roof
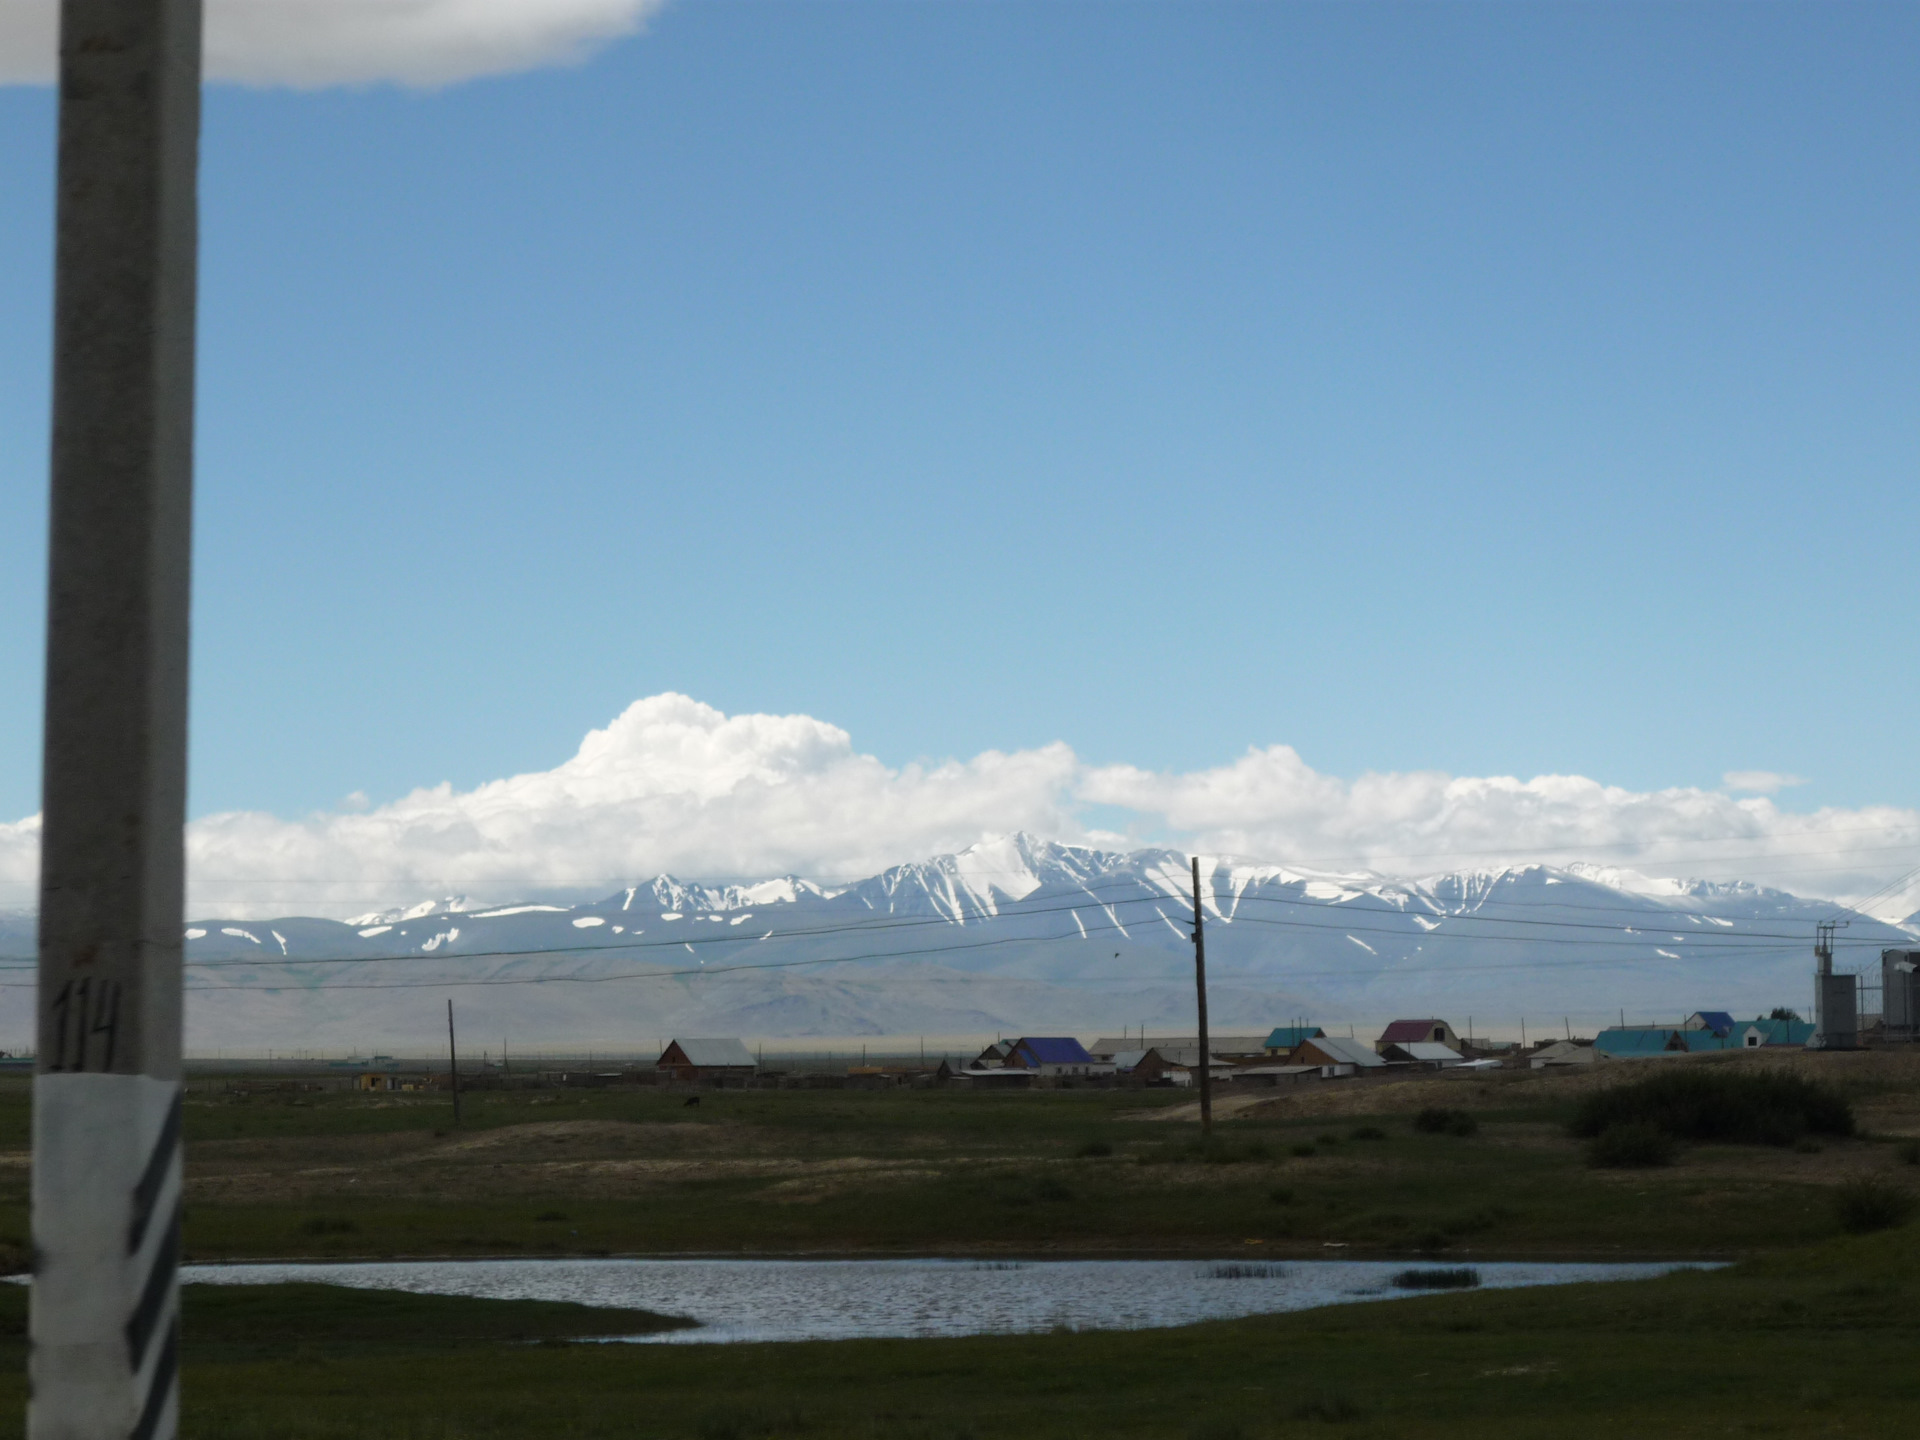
[[1285, 1037], [1640, 1039], [1054, 1050], [1428, 1051], [1346, 1052], [714, 1054]]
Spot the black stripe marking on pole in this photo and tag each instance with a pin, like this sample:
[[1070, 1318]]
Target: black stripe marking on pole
[[147, 1193], [162, 1386], [146, 1315]]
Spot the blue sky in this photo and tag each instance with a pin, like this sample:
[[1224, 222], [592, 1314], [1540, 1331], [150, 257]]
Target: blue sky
[[1493, 389]]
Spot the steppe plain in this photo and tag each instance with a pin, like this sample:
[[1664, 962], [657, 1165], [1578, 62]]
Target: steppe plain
[[1811, 1331]]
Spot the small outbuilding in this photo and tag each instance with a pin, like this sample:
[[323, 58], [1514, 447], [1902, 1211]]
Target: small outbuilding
[[1424, 1053], [705, 1060], [1558, 1053]]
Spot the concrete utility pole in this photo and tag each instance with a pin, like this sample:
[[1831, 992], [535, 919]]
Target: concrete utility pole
[[106, 1100], [1200, 984]]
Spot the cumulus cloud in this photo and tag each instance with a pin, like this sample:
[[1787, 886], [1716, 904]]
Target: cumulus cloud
[[309, 43], [1760, 782], [674, 785]]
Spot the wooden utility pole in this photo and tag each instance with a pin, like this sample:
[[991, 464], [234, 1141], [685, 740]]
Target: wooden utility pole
[[1200, 984], [106, 1096], [453, 1064]]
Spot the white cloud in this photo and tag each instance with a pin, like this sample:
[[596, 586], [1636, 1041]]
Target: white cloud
[[307, 43], [1761, 782], [674, 785]]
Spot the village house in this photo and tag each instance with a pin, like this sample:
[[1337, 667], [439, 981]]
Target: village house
[[976, 1076], [1718, 1021], [1179, 1065], [704, 1060], [1407, 1032], [1055, 1056], [1336, 1056], [1284, 1038]]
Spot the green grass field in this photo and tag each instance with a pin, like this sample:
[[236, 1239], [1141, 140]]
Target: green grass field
[[1810, 1333], [905, 1171]]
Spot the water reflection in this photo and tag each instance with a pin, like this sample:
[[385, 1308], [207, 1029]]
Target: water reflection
[[738, 1300]]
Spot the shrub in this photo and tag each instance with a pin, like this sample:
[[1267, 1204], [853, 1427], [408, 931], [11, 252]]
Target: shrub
[[1366, 1132], [1303, 1151], [1718, 1103], [1464, 1278], [1281, 1195], [1438, 1120], [1332, 1409], [1909, 1152], [327, 1225], [1864, 1206], [1634, 1145], [1326, 1139], [1094, 1150], [1237, 1154], [549, 1216]]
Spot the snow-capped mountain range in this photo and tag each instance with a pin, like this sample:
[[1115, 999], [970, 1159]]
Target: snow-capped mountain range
[[1012, 934]]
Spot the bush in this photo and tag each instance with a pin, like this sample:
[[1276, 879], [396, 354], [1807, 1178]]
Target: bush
[[1281, 1195], [1332, 1408], [1719, 1104], [1864, 1206], [1366, 1132], [1909, 1152], [1463, 1278], [1326, 1139], [1094, 1150], [1234, 1154], [1438, 1120], [327, 1225], [1303, 1152], [1635, 1145]]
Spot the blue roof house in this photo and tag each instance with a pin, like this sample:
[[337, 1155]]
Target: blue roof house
[[1718, 1021], [1285, 1037], [1055, 1055]]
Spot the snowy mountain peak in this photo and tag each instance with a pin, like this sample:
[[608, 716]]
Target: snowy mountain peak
[[449, 905]]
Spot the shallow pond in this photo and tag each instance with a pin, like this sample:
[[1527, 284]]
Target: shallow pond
[[844, 1299]]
